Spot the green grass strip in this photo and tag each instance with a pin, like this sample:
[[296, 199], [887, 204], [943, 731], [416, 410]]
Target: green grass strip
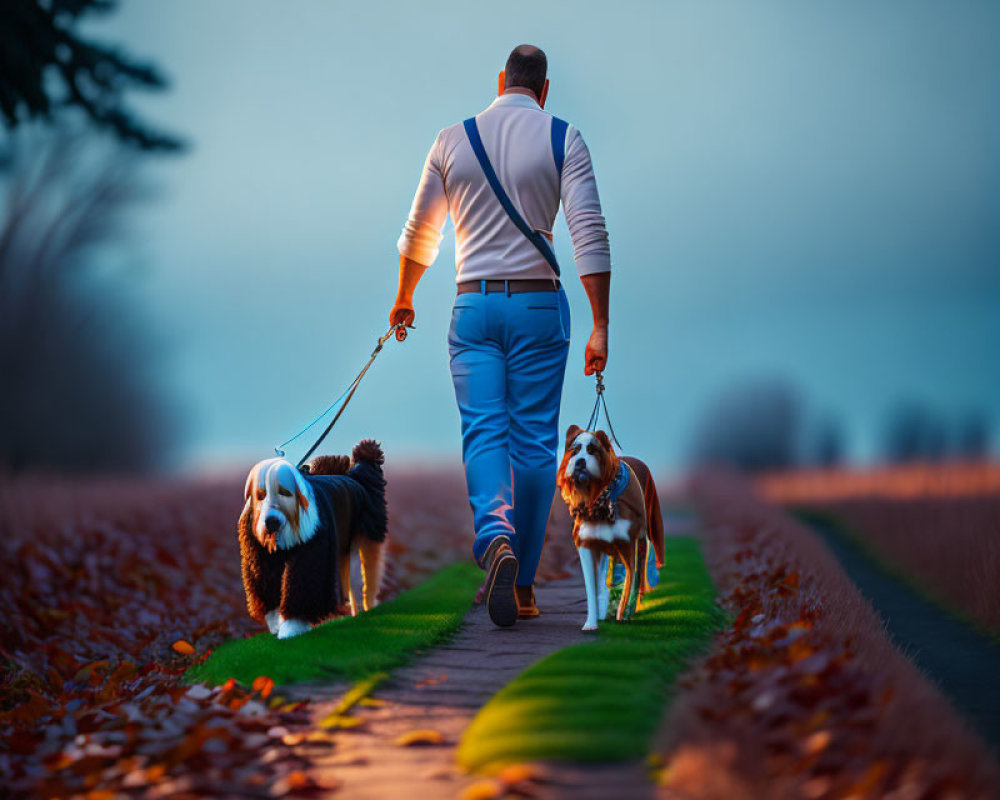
[[351, 647], [602, 701]]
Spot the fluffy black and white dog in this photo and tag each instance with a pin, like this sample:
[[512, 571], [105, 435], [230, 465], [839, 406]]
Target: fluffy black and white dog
[[298, 531]]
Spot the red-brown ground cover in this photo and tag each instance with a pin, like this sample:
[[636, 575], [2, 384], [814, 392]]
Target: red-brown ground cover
[[112, 588], [803, 695], [937, 524]]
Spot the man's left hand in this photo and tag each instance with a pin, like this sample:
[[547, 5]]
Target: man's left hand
[[595, 355]]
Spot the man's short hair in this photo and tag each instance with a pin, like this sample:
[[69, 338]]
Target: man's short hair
[[526, 66]]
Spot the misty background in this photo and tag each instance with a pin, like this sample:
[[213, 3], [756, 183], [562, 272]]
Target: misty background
[[802, 199]]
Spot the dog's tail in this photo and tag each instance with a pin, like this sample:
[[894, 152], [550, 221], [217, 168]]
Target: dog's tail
[[366, 468]]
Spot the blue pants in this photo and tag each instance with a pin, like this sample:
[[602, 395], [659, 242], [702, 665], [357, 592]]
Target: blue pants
[[508, 358]]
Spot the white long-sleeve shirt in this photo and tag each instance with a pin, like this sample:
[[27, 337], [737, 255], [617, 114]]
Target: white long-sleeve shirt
[[516, 136]]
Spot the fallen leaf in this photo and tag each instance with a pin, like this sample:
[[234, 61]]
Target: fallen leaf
[[517, 773], [482, 790], [419, 737], [264, 685], [817, 742], [298, 782], [360, 691], [336, 720]]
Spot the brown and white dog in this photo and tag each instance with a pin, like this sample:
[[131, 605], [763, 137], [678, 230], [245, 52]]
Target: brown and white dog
[[615, 510], [298, 531]]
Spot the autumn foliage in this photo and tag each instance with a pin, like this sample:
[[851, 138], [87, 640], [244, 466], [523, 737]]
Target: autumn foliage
[[112, 589], [803, 695]]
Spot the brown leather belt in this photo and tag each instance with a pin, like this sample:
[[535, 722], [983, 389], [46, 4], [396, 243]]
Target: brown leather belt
[[511, 286]]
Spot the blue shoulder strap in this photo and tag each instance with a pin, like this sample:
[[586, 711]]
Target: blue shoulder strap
[[533, 236], [559, 127]]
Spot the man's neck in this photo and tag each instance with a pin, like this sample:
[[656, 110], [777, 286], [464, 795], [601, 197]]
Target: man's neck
[[521, 90]]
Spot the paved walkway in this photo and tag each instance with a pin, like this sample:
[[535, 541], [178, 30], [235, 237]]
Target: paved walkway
[[443, 691]]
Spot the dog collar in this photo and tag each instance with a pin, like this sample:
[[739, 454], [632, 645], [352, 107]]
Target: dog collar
[[605, 505]]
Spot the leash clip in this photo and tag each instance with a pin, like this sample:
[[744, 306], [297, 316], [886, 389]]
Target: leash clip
[[596, 413]]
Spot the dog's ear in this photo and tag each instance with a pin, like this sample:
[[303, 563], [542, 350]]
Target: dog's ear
[[245, 523], [301, 496], [609, 458], [251, 479], [572, 433], [602, 437]]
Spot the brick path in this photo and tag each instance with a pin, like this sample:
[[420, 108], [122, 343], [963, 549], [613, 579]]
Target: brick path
[[442, 691]]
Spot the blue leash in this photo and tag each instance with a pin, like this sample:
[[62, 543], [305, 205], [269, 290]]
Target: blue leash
[[348, 393]]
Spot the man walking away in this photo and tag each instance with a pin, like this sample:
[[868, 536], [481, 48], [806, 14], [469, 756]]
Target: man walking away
[[510, 324]]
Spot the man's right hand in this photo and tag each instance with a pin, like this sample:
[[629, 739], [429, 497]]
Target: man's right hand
[[595, 355], [598, 287], [402, 315]]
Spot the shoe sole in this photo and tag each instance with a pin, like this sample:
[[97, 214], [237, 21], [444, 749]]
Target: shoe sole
[[501, 602]]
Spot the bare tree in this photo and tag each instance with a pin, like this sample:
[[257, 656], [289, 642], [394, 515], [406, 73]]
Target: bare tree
[[972, 438], [914, 432], [826, 444], [77, 395], [754, 425]]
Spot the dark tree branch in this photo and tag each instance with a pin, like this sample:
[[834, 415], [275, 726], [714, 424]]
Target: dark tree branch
[[38, 40]]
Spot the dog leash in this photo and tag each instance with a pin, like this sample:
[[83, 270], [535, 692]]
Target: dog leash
[[595, 414], [348, 393]]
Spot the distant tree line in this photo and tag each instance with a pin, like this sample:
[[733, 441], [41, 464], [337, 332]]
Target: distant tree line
[[917, 432], [761, 424]]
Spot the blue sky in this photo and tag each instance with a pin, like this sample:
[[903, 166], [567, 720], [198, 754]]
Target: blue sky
[[807, 190]]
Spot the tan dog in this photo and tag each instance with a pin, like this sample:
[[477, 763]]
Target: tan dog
[[615, 513]]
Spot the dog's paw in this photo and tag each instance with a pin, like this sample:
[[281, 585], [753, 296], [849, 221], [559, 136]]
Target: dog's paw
[[273, 619], [293, 627]]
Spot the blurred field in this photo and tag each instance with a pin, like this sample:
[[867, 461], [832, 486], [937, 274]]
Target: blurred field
[[936, 524]]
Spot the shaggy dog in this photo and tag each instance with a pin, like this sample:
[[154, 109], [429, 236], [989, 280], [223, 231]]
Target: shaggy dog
[[297, 533], [616, 513]]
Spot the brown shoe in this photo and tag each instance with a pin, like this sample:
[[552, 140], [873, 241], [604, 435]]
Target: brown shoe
[[501, 572], [526, 608]]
